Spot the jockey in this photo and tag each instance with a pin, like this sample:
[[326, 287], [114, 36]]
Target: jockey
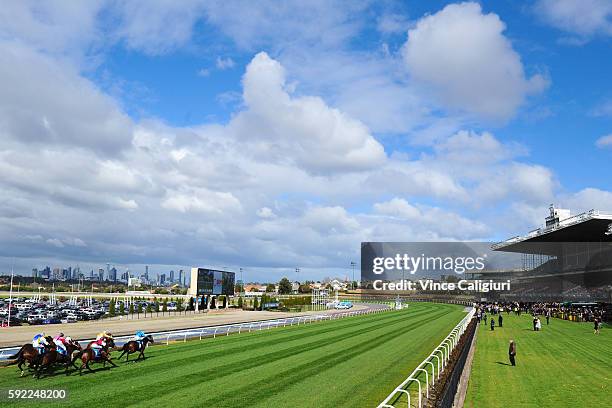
[[98, 344], [140, 335], [102, 335], [60, 341], [39, 342]]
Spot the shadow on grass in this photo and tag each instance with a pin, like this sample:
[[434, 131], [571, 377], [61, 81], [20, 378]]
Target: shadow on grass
[[502, 363]]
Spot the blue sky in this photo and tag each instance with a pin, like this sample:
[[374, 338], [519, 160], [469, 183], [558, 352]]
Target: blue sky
[[272, 135]]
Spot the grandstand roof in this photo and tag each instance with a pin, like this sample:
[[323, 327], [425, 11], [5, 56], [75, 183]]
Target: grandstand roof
[[591, 226]]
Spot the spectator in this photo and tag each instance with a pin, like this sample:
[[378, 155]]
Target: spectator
[[512, 352], [538, 324], [492, 324], [500, 320]]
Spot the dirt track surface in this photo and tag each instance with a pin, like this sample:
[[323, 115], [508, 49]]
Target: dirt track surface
[[19, 335]]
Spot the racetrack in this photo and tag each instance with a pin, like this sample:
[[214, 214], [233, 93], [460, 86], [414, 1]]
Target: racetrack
[[18, 335], [349, 362]]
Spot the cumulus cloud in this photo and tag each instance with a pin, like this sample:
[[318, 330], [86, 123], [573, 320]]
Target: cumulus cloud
[[304, 130], [582, 19], [462, 55]]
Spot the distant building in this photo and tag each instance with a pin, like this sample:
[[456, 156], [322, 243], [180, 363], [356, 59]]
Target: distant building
[[134, 282], [181, 277], [171, 276], [112, 275], [34, 272], [162, 279], [146, 274], [100, 274]]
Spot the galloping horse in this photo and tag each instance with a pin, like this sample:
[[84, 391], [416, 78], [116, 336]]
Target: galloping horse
[[133, 346], [88, 355], [28, 353], [54, 356]]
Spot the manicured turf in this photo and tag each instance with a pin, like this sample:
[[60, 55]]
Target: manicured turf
[[563, 365], [352, 362]]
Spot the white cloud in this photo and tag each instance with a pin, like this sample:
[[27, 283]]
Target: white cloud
[[210, 202], [303, 130], [265, 212], [604, 141], [462, 55], [44, 101], [583, 18], [588, 199], [224, 63], [392, 24], [203, 72]]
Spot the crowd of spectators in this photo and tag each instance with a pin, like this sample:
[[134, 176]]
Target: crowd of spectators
[[578, 312]]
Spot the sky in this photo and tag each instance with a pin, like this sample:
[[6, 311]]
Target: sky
[[279, 135]]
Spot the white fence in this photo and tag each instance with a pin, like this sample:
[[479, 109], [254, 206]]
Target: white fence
[[437, 359], [166, 337]]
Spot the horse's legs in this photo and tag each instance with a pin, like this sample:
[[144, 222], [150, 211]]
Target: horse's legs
[[122, 353], [20, 366], [88, 367], [107, 358], [141, 355]]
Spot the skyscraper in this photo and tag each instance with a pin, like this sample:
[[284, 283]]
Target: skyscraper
[[112, 275], [35, 273], [180, 277], [146, 275], [100, 274], [171, 276]]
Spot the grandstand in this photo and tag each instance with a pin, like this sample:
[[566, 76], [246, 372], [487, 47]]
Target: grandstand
[[568, 259]]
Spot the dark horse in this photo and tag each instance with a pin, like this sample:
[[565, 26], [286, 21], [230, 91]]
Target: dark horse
[[54, 356], [28, 353], [88, 355], [134, 346]]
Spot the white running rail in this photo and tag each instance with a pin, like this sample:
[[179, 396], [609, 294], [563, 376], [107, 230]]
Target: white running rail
[[165, 337], [441, 354]]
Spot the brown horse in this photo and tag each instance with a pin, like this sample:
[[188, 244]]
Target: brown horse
[[54, 356], [134, 346], [28, 353], [87, 356]]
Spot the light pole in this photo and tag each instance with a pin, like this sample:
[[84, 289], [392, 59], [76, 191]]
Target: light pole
[[10, 306], [353, 267], [297, 275], [242, 281]]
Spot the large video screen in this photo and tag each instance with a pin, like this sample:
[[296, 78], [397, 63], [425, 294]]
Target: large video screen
[[212, 282]]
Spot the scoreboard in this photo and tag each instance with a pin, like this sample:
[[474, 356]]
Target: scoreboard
[[211, 282]]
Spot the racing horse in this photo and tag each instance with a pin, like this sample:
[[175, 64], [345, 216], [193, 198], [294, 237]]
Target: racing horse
[[134, 346], [28, 353], [88, 355], [55, 356]]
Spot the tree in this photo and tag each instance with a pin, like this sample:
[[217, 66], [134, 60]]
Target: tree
[[131, 308], [240, 304], [304, 288], [255, 304], [139, 308], [121, 308], [191, 303], [149, 309], [213, 302], [165, 305], [270, 287], [179, 305], [111, 308], [284, 287]]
